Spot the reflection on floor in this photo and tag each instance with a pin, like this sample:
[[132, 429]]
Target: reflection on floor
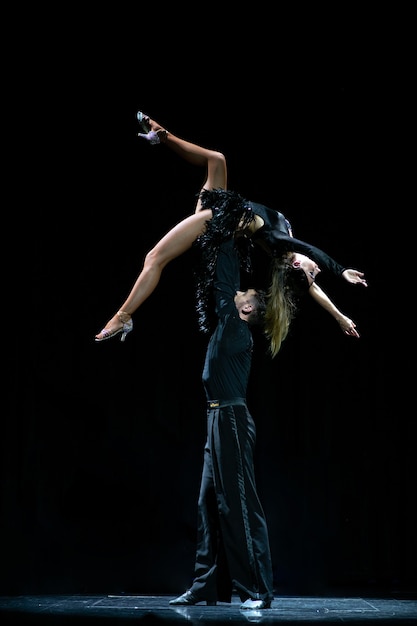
[[115, 610]]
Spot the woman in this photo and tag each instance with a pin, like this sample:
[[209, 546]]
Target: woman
[[219, 212]]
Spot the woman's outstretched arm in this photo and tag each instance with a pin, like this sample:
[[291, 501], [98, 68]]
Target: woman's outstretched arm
[[346, 324]]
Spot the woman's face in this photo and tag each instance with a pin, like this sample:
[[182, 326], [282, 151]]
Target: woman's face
[[310, 267]]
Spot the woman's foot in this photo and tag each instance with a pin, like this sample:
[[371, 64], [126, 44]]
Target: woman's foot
[[152, 131], [119, 323]]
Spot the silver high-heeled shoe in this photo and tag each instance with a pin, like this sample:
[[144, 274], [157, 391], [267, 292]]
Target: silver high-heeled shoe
[[153, 136], [143, 120], [125, 329]]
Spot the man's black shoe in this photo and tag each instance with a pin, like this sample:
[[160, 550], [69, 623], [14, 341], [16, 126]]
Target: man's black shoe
[[189, 599]]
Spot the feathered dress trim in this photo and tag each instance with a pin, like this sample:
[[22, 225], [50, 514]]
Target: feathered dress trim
[[230, 212]]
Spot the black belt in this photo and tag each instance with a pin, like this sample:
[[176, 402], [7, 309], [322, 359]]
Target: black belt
[[218, 404]]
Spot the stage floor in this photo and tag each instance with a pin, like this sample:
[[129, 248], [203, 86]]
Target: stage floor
[[109, 610]]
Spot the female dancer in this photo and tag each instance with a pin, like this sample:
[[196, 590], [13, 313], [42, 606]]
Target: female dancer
[[219, 213]]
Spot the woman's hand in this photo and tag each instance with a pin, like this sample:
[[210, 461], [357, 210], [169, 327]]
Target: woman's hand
[[355, 277], [348, 326]]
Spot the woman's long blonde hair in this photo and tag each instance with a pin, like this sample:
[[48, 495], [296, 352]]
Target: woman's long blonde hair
[[286, 286]]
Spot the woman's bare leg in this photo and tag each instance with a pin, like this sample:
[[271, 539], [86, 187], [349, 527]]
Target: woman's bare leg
[[177, 241], [213, 161], [180, 238]]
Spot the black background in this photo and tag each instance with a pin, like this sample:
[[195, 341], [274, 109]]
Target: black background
[[102, 443]]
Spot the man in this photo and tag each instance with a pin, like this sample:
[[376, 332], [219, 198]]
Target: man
[[233, 550]]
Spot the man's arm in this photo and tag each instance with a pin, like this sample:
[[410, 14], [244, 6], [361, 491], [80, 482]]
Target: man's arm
[[227, 275]]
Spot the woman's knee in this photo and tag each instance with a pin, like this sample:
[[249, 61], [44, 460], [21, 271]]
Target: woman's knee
[[154, 258], [218, 163]]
